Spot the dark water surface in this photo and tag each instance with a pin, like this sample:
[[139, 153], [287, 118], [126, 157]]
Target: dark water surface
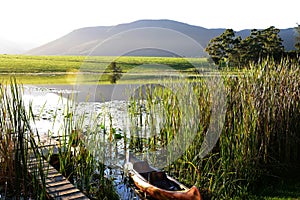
[[95, 93]]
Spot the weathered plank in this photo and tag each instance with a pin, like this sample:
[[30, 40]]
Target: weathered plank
[[57, 186]]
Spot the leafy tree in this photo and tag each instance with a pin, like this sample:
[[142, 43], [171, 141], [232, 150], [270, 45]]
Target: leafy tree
[[272, 43], [237, 52], [223, 47], [116, 72], [262, 44], [251, 47]]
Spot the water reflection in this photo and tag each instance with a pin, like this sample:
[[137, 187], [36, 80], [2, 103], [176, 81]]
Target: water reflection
[[49, 109]]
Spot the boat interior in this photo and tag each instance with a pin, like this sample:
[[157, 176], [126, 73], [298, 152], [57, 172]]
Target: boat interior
[[155, 177]]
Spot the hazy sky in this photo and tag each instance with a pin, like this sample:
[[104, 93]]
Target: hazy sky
[[40, 21]]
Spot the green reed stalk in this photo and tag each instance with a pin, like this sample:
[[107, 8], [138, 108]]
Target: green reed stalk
[[81, 151], [19, 143], [260, 136]]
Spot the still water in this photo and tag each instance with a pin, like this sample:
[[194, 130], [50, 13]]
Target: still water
[[52, 103]]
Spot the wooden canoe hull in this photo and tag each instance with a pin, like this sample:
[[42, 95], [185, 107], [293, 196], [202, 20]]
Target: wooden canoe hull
[[161, 194]]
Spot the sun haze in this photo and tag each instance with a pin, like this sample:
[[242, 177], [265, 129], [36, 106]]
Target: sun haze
[[38, 22]]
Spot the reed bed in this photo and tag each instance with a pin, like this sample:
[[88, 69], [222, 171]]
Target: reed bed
[[168, 123], [18, 142], [78, 156], [260, 136]]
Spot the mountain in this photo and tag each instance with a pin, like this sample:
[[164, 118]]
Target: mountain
[[8, 47], [138, 38]]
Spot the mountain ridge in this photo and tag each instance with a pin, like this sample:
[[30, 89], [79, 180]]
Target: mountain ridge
[[84, 40]]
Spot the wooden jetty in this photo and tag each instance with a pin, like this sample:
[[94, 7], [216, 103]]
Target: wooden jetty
[[57, 186]]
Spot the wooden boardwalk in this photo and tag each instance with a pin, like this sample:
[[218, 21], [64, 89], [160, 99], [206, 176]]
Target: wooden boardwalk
[[57, 186]]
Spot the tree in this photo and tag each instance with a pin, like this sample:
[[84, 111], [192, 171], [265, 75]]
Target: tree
[[272, 43], [116, 72], [237, 52], [262, 44], [223, 47], [251, 47]]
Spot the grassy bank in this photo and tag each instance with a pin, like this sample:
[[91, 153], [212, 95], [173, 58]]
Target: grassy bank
[[40, 64], [93, 69]]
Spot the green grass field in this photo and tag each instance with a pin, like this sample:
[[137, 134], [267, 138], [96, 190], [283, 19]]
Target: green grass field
[[80, 69]]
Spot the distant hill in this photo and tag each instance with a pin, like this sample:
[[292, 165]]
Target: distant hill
[[83, 41], [7, 47]]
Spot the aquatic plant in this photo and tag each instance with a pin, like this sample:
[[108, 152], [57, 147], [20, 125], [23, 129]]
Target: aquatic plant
[[19, 146], [260, 136]]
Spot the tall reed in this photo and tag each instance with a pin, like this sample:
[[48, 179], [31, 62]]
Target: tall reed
[[261, 130], [19, 142], [80, 159], [260, 134]]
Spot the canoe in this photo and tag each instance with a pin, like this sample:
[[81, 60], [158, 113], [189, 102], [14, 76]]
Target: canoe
[[158, 185]]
